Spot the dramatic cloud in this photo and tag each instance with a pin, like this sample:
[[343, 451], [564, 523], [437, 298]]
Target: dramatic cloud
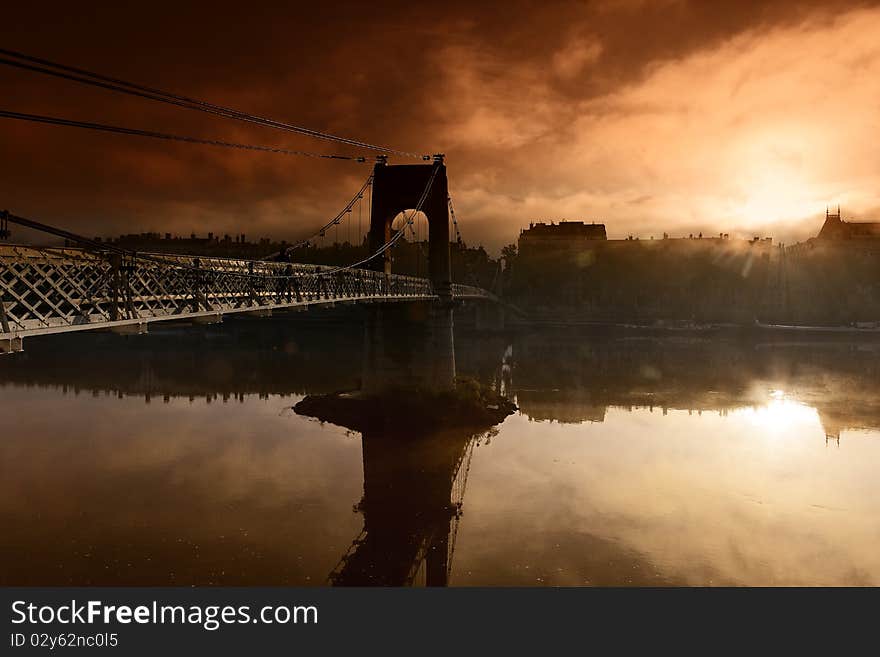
[[676, 116]]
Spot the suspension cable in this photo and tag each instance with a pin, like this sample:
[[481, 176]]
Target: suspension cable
[[334, 221], [454, 221], [166, 260], [399, 235], [102, 127], [114, 84], [60, 232]]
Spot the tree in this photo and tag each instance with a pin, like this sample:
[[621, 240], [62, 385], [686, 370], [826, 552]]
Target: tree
[[508, 254]]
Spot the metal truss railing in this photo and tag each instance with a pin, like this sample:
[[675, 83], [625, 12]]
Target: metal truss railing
[[51, 290]]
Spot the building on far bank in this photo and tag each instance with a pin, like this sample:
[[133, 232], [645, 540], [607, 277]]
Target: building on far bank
[[566, 238], [836, 228], [841, 239], [834, 277], [571, 269], [563, 236], [225, 246]]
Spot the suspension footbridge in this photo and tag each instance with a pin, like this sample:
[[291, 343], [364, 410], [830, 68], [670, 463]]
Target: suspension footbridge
[[89, 285], [58, 290]]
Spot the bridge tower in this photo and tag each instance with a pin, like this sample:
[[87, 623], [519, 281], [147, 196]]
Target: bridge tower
[[397, 188], [411, 345]]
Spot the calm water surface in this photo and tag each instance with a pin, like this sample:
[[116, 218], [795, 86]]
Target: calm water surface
[[175, 458]]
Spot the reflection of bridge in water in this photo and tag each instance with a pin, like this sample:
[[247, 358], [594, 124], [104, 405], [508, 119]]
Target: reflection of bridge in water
[[414, 482], [559, 378], [413, 494]]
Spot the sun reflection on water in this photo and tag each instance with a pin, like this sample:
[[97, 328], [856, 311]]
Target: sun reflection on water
[[780, 414]]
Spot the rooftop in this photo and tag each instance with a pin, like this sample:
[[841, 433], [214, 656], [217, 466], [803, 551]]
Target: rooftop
[[835, 228], [566, 229]]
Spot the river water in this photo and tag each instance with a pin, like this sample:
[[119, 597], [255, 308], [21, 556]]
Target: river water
[[176, 459]]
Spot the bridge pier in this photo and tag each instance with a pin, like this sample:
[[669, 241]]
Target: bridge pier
[[442, 346], [408, 346], [488, 316]]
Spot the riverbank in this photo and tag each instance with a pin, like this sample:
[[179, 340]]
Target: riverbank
[[757, 330]]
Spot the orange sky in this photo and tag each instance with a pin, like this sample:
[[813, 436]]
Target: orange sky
[[742, 117]]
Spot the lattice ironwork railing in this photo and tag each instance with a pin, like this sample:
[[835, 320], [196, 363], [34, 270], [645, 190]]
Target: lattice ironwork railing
[[49, 290]]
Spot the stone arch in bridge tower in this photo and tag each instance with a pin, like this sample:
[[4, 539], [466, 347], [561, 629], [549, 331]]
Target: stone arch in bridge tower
[[398, 188]]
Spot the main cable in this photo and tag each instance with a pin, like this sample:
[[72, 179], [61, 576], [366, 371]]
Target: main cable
[[103, 127], [83, 76]]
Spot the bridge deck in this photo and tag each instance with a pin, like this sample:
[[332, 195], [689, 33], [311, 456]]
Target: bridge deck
[[57, 290]]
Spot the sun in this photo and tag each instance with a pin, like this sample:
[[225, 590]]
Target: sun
[[773, 178]]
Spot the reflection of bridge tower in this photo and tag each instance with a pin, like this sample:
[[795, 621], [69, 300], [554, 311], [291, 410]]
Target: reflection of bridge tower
[[413, 491], [408, 346], [411, 345]]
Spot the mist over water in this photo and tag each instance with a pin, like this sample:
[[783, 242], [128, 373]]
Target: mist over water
[[176, 458]]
